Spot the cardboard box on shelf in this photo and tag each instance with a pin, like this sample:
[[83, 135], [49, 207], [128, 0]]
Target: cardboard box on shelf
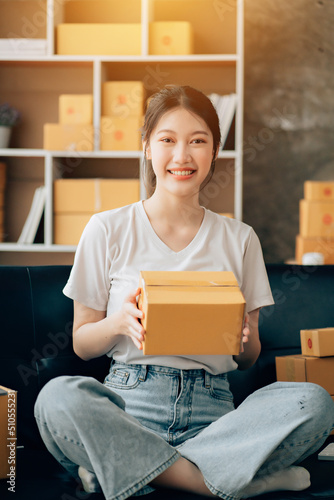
[[325, 246], [301, 368], [318, 342], [93, 195], [123, 99], [319, 190], [76, 109], [67, 228], [316, 218], [59, 137], [8, 413], [120, 134], [191, 312], [99, 39], [171, 38]]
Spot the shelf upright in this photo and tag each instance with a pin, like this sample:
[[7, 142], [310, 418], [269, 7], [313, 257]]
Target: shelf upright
[[239, 111]]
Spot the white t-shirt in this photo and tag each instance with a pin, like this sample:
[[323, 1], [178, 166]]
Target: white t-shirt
[[117, 244]]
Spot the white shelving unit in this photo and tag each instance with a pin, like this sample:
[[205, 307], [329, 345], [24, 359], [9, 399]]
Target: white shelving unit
[[33, 83]]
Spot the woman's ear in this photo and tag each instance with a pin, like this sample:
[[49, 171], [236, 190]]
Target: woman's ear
[[147, 151]]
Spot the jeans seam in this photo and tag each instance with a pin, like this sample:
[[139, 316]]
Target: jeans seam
[[219, 493], [147, 479]]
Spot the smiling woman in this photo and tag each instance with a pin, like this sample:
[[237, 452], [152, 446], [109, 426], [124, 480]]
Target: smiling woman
[[168, 420]]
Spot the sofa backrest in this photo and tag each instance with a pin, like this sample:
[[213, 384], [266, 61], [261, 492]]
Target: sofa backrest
[[36, 331]]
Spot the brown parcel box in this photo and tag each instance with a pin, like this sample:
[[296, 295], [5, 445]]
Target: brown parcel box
[[319, 190], [191, 312], [316, 218], [8, 410], [317, 244], [300, 368], [318, 342]]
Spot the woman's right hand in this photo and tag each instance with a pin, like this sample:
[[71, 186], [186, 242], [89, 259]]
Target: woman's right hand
[[128, 319]]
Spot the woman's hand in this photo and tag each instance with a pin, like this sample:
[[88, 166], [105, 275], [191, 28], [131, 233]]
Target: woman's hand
[[95, 333], [251, 345], [129, 319], [245, 332]]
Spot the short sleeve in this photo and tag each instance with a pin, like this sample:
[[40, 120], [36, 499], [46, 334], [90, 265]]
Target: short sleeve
[[89, 281], [255, 283]]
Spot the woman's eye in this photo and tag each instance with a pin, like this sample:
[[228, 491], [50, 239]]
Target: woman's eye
[[166, 139], [198, 141]]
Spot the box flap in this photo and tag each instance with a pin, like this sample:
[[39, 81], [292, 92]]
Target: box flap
[[186, 278]]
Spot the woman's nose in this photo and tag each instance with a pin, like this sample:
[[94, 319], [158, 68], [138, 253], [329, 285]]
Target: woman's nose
[[181, 153]]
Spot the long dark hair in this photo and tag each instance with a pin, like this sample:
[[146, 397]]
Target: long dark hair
[[174, 96]]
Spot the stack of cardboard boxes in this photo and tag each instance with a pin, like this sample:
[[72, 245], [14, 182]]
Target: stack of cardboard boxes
[[316, 362], [122, 115], [2, 200], [75, 131], [165, 38], [316, 221], [76, 200]]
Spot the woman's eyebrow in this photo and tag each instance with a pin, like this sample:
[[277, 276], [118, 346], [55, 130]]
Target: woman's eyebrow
[[168, 131]]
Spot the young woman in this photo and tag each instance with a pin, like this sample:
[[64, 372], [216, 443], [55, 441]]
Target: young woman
[[169, 420]]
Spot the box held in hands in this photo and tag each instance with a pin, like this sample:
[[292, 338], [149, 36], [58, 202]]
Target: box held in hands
[[191, 313]]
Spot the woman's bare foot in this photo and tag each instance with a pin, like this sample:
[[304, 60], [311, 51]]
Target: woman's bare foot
[[183, 475]]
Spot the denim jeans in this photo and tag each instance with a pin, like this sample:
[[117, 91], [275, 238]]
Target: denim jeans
[[135, 425]]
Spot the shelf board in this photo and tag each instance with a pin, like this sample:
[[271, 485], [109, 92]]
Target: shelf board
[[41, 153], [193, 58], [22, 152], [36, 247]]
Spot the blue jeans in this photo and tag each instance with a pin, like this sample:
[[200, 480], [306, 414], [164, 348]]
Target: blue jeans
[[135, 425]]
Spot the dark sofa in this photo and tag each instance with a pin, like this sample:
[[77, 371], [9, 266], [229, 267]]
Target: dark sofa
[[36, 321]]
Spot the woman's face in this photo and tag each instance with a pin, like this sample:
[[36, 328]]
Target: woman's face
[[181, 150]]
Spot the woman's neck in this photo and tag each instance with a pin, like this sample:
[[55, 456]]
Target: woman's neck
[[174, 210]]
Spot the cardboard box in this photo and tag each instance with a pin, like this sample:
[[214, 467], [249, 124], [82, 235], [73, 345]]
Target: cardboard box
[[189, 313], [99, 39], [227, 214], [8, 413], [319, 190], [120, 134], [318, 342], [67, 228], [76, 109], [93, 195], [301, 368], [59, 137], [325, 246], [123, 99], [316, 218], [171, 38]]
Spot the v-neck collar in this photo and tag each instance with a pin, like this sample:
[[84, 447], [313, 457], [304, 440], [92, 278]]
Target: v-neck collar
[[158, 241]]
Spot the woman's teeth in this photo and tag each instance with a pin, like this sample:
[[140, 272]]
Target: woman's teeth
[[181, 172]]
